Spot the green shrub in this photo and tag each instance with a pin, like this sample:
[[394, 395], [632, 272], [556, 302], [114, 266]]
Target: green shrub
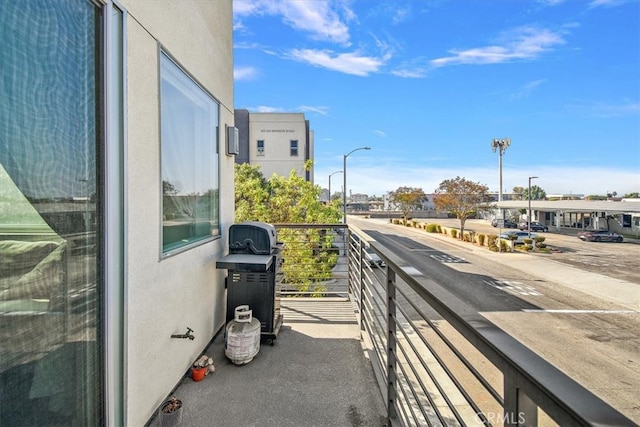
[[454, 233], [432, 228], [481, 239]]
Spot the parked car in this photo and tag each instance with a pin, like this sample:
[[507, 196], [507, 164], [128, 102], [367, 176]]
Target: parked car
[[507, 223], [520, 236], [535, 226], [600, 236], [373, 258]]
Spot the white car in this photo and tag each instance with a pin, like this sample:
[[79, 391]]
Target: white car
[[520, 236]]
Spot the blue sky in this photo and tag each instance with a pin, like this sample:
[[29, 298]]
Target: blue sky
[[429, 84]]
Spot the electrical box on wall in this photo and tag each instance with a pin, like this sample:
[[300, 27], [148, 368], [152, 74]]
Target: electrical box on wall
[[233, 145]]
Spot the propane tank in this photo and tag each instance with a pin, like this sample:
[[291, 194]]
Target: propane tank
[[242, 336]]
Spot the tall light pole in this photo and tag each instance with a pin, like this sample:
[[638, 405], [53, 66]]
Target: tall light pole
[[330, 175], [344, 176], [501, 145], [529, 213]]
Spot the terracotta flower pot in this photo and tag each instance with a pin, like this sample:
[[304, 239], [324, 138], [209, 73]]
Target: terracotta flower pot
[[197, 374]]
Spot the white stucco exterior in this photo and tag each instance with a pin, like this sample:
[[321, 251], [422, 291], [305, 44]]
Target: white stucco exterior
[[277, 130], [165, 296]]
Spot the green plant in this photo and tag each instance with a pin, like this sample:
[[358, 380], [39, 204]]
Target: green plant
[[433, 228], [481, 239], [454, 233]]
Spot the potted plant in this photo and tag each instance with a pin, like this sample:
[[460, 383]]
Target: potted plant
[[171, 412]]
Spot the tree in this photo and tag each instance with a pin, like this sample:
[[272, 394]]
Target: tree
[[537, 193], [631, 195], [308, 254], [280, 199], [463, 198], [519, 191], [407, 198]]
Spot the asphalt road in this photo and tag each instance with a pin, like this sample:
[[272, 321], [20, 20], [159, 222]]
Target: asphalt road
[[589, 330]]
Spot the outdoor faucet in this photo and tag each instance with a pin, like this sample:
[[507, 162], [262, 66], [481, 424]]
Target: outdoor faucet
[[187, 335]]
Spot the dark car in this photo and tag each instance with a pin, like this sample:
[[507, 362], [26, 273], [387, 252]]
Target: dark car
[[600, 236], [535, 226], [373, 258], [507, 223]]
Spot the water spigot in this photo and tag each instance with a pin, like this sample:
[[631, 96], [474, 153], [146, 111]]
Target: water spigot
[[186, 335]]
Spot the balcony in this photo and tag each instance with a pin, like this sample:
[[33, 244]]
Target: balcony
[[373, 345]]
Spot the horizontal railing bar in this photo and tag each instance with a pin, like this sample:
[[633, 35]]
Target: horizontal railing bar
[[487, 386], [557, 394], [423, 386], [430, 372]]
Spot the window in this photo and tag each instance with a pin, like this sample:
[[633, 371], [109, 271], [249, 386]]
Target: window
[[189, 136], [293, 147], [52, 203], [260, 147]]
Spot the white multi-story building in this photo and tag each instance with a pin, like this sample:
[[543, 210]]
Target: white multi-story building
[[277, 142]]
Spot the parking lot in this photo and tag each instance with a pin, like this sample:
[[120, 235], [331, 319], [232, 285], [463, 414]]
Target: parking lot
[[617, 260]]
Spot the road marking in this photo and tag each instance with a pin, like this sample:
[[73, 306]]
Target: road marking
[[515, 288], [448, 258], [571, 311]]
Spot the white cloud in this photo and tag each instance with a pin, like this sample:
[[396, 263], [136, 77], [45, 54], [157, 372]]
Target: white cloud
[[319, 18], [319, 109], [519, 44], [526, 90], [400, 15], [267, 109], [366, 177], [380, 133], [244, 73], [348, 63], [608, 3]]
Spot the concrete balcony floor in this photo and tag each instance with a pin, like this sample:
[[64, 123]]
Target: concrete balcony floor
[[315, 374]]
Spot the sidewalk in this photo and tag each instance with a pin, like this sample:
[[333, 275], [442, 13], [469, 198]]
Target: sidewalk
[[315, 374]]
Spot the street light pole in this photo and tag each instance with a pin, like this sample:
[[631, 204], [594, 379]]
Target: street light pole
[[500, 145], [344, 176], [529, 213], [330, 175]]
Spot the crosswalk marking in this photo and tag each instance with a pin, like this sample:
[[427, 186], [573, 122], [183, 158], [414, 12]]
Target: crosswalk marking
[[513, 287]]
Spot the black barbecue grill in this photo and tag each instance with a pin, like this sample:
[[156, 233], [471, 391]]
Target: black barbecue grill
[[252, 279]]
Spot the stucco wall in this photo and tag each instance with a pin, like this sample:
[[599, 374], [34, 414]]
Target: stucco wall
[[165, 296], [277, 130]]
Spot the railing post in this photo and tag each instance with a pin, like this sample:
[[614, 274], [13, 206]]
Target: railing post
[[519, 409], [361, 258], [362, 294], [391, 347]]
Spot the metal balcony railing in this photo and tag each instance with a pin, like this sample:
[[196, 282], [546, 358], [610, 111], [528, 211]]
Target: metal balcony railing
[[437, 361]]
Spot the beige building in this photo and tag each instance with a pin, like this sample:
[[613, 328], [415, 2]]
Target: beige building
[[114, 203], [277, 142]]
